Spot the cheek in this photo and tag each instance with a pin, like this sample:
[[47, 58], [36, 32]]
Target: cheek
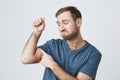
[[70, 28]]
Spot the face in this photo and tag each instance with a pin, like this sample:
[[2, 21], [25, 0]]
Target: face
[[67, 26]]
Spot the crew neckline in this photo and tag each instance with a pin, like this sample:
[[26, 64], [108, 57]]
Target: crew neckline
[[84, 46]]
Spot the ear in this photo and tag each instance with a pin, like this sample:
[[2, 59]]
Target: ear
[[78, 22]]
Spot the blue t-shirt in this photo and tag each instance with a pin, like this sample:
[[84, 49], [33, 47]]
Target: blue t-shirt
[[85, 59]]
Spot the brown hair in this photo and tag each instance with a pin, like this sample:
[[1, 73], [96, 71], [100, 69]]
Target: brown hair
[[75, 13]]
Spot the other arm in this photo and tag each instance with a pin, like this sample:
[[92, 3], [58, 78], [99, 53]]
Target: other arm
[[62, 75], [49, 62]]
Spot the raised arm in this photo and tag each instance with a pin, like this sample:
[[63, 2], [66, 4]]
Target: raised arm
[[32, 54]]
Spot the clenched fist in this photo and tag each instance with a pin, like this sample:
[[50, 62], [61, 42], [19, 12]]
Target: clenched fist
[[39, 25]]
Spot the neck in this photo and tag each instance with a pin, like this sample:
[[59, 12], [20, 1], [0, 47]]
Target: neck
[[76, 43]]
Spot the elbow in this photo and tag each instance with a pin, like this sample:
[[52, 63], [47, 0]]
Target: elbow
[[25, 60], [28, 61]]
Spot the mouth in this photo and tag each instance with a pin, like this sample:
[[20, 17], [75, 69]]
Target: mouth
[[63, 33]]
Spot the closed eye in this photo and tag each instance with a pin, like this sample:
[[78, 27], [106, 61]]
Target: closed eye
[[65, 22]]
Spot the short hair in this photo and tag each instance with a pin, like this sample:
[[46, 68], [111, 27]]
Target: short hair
[[75, 13]]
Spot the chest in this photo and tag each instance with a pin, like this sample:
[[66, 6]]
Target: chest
[[72, 62]]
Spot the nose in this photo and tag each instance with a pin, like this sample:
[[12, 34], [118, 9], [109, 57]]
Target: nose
[[61, 27]]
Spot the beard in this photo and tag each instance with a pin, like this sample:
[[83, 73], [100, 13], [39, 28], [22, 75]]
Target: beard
[[71, 36]]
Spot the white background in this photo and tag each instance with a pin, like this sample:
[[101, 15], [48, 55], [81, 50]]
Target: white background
[[101, 27]]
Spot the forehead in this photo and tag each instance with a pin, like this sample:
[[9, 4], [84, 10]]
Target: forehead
[[64, 16]]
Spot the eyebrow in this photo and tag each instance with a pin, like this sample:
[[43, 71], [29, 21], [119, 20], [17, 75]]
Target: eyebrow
[[62, 21]]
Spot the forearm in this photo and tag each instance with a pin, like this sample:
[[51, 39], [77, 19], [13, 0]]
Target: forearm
[[30, 47], [61, 74]]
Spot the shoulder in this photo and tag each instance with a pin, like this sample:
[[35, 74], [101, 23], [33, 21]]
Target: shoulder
[[94, 50]]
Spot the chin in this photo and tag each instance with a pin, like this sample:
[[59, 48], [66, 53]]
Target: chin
[[66, 37]]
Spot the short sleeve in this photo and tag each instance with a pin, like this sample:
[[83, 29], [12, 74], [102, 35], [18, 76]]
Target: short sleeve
[[90, 68], [47, 46], [44, 47]]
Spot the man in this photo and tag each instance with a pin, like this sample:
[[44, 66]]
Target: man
[[70, 58]]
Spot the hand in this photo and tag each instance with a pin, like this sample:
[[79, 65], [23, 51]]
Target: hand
[[39, 25], [47, 60]]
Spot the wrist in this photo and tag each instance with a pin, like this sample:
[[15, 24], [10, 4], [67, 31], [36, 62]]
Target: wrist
[[37, 33], [53, 66]]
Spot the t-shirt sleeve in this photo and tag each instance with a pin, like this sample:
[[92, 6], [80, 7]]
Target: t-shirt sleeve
[[44, 47], [90, 68], [47, 46]]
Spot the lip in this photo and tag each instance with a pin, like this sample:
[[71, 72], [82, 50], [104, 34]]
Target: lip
[[63, 33]]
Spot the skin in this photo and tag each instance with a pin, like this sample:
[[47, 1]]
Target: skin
[[69, 30]]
